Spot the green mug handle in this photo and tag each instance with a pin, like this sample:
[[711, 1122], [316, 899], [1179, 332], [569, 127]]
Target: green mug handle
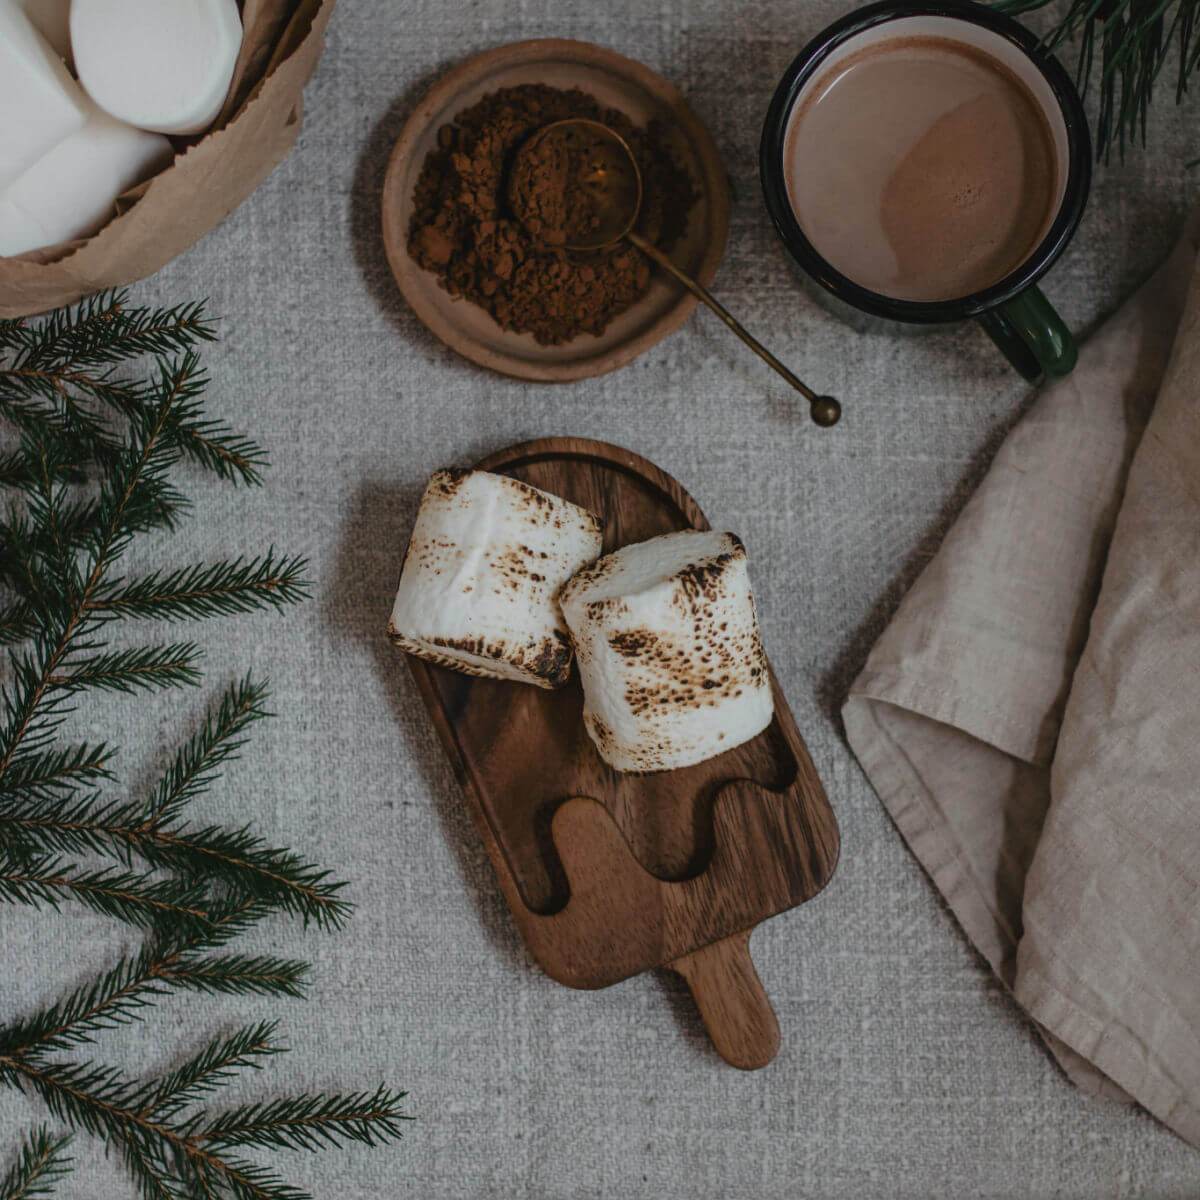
[[1032, 336]]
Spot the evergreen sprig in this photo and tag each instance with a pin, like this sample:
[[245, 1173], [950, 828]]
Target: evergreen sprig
[[40, 1161], [307, 1122], [1133, 41], [238, 858], [136, 898], [207, 590], [92, 463], [175, 958], [141, 669], [42, 776], [205, 1072]]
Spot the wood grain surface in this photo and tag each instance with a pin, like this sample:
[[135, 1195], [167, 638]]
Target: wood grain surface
[[608, 875]]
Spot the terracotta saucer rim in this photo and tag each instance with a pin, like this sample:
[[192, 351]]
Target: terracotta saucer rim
[[714, 183]]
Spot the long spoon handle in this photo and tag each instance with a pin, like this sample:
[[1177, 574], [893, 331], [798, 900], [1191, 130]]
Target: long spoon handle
[[825, 410]]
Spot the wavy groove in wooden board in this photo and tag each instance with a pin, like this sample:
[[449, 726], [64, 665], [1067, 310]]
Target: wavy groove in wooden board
[[606, 933]]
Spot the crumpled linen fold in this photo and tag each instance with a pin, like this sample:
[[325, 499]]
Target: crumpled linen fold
[[1031, 716]]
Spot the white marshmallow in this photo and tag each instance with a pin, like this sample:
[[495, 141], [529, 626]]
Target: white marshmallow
[[164, 65], [669, 651], [20, 230], [51, 19], [69, 192], [479, 586], [40, 104]]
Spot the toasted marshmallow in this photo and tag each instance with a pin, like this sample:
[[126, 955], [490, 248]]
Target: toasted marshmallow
[[480, 582], [669, 651]]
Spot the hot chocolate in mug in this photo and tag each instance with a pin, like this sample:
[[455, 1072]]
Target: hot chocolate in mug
[[928, 163]]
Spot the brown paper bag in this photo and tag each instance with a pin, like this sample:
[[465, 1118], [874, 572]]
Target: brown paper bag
[[208, 179]]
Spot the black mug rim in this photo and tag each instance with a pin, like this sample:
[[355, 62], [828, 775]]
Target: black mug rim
[[771, 159]]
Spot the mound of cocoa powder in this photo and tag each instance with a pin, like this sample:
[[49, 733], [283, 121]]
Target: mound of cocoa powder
[[464, 231], [548, 192]]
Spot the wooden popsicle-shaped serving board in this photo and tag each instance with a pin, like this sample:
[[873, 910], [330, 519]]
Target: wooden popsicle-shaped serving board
[[608, 875]]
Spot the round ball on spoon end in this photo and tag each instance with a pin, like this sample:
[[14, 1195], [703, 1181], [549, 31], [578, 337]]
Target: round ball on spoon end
[[826, 411]]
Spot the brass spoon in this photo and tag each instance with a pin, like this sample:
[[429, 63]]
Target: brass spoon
[[608, 173]]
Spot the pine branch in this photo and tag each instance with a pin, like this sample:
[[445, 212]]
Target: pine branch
[[238, 975], [16, 623], [1133, 40], [37, 721], [218, 741], [38, 405], [40, 1162], [210, 1069], [209, 443], [23, 547], [106, 1003], [14, 334], [238, 858], [71, 824], [217, 448], [16, 470], [135, 492], [47, 776], [104, 329], [243, 1180], [132, 496], [144, 668], [311, 1122], [136, 484], [138, 981], [123, 895], [74, 520], [104, 1102], [97, 1099], [117, 441], [252, 869], [154, 1182], [218, 589], [22, 571], [227, 920]]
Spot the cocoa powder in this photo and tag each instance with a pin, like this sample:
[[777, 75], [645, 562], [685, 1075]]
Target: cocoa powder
[[465, 232], [548, 188]]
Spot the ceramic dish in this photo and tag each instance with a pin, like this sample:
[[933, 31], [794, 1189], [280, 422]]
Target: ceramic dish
[[617, 82]]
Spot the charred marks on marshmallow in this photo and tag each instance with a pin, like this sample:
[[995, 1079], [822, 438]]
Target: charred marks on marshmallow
[[479, 586], [669, 651]]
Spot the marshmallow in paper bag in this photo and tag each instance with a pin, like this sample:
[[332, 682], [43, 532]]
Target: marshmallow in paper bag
[[163, 65], [40, 104], [69, 192], [51, 19], [479, 586], [669, 651]]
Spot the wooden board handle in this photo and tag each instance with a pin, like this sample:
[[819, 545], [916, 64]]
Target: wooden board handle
[[733, 1004]]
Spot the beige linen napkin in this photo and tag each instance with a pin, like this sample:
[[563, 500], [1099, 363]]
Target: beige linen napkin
[[1031, 717]]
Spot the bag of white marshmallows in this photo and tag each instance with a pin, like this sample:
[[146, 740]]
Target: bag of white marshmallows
[[501, 579], [89, 89], [130, 128]]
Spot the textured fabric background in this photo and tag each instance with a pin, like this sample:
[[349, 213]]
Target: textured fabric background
[[905, 1070]]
